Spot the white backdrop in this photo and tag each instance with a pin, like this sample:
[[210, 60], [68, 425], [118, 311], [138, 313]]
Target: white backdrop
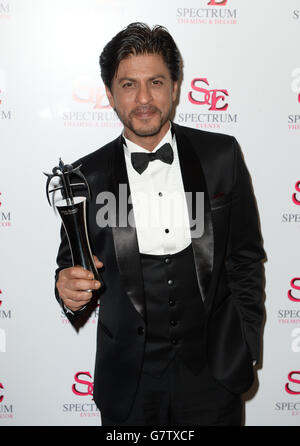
[[52, 104]]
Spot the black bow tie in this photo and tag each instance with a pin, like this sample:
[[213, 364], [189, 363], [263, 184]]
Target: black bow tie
[[140, 160]]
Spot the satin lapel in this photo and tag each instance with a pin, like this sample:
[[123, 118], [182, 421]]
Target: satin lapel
[[194, 181], [125, 237]]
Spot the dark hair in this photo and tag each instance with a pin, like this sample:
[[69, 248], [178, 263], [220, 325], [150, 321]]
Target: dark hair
[[138, 38]]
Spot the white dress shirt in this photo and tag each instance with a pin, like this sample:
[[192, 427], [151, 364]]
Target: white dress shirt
[[159, 203]]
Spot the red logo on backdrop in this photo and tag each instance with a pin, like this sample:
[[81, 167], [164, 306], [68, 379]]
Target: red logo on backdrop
[[294, 381], [204, 96], [85, 387], [294, 196], [217, 2], [1, 396], [86, 94], [295, 287]]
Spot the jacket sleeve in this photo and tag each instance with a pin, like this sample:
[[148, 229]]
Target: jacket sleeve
[[245, 256]]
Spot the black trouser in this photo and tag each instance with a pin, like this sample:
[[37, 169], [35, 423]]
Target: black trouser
[[181, 398]]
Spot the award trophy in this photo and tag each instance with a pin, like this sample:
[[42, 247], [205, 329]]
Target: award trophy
[[72, 211]]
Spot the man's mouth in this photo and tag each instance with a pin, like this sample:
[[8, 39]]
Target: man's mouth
[[144, 113]]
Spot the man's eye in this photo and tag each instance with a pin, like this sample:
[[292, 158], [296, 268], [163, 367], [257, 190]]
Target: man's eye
[[127, 85], [156, 82]]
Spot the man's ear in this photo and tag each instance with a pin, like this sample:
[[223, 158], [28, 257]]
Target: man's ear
[[110, 97], [175, 91]]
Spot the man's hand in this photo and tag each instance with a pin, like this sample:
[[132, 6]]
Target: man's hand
[[73, 285]]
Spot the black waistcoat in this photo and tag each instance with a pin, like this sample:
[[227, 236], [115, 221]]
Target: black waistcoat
[[174, 312]]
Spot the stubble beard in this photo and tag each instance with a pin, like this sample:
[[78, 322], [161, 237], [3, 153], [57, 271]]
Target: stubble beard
[[128, 122]]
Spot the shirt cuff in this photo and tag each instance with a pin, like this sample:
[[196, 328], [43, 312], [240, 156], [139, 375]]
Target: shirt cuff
[[67, 310]]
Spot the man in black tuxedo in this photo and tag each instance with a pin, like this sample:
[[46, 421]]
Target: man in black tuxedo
[[181, 306]]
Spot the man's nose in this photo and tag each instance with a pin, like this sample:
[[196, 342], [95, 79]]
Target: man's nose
[[144, 95]]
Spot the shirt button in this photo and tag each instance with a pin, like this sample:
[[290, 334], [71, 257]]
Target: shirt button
[[171, 302], [167, 260], [174, 341], [167, 231], [160, 194], [170, 282], [173, 323], [140, 330]]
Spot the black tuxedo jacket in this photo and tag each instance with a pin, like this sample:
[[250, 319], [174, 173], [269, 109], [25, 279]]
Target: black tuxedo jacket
[[228, 260]]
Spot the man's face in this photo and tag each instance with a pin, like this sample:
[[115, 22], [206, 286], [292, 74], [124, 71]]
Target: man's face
[[143, 94]]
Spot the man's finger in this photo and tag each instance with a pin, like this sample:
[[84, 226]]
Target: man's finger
[[83, 285], [76, 296], [98, 262], [77, 272]]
